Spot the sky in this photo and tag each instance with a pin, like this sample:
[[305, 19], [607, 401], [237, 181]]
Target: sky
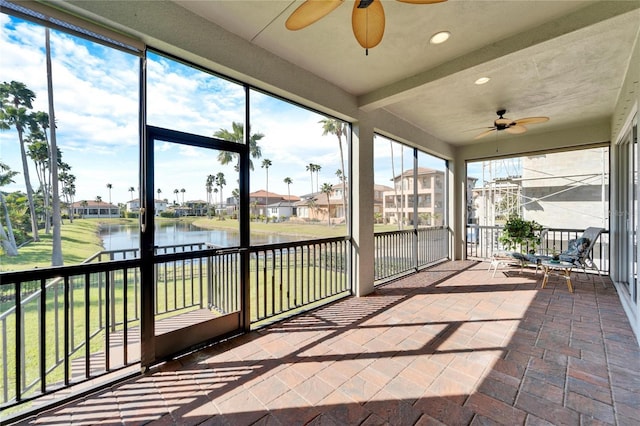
[[96, 92]]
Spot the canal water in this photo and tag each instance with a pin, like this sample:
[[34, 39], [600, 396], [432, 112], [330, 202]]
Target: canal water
[[119, 237]]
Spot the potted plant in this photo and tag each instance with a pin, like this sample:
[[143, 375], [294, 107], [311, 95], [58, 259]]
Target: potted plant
[[521, 235]]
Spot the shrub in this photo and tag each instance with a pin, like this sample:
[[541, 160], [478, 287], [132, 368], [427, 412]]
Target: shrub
[[520, 234]]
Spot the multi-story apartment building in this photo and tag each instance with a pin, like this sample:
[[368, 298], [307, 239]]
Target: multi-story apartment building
[[402, 202]]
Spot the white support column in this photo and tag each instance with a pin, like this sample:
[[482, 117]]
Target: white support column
[[362, 201]]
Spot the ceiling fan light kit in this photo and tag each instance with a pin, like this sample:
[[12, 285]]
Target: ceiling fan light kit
[[367, 18], [514, 127]]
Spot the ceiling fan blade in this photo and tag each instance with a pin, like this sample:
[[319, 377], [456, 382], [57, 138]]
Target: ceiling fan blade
[[368, 23], [483, 134], [516, 130], [309, 12], [421, 1], [531, 120]]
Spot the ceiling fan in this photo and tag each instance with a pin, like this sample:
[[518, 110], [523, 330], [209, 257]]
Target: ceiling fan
[[367, 18], [511, 126]]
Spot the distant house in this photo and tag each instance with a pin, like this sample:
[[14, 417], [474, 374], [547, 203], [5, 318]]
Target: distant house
[[319, 207], [281, 210], [260, 202], [93, 209], [159, 205], [196, 208], [316, 206]]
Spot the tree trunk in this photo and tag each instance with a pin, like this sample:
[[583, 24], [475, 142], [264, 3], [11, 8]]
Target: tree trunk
[[56, 252], [27, 183], [7, 238], [70, 209]]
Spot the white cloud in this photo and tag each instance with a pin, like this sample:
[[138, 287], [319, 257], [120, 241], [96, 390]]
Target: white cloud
[[96, 97]]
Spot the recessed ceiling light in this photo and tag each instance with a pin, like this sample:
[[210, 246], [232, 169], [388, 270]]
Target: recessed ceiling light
[[440, 37], [482, 80]]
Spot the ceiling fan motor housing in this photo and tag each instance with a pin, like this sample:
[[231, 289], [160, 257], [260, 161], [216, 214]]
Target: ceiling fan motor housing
[[364, 4], [502, 123]]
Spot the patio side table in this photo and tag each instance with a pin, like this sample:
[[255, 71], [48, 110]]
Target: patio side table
[[558, 268]]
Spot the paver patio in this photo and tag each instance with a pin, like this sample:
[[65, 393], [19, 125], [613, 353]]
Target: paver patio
[[449, 345]]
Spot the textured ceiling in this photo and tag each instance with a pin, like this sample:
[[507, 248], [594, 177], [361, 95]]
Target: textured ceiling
[[561, 59]]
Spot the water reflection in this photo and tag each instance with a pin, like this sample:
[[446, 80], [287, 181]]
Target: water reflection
[[119, 237]]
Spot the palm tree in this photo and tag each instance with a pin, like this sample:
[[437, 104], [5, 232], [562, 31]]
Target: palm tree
[[327, 189], [98, 200], [15, 114], [220, 182], [8, 239], [338, 128], [236, 195], [38, 151], [109, 186], [314, 168], [40, 122], [69, 192], [84, 205], [68, 182], [209, 187], [56, 252], [317, 168], [131, 190], [340, 177], [266, 163], [183, 191], [176, 191], [289, 181], [237, 135], [310, 168]]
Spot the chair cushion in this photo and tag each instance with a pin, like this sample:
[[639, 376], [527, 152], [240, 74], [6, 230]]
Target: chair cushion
[[577, 246], [518, 256], [575, 250]]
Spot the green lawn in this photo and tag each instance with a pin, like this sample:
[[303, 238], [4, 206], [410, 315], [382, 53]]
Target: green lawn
[[80, 240], [311, 230]]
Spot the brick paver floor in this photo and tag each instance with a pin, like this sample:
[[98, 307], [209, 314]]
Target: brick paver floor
[[449, 345]]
